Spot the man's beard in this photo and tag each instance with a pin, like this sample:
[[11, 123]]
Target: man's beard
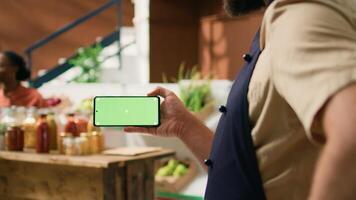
[[238, 7]]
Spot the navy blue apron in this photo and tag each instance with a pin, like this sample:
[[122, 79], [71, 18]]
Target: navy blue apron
[[233, 168]]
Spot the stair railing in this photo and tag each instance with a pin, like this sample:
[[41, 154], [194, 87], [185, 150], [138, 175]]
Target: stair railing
[[75, 23]]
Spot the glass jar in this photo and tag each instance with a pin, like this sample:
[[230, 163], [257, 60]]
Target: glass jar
[[96, 142], [14, 138], [70, 126], [78, 145], [69, 145], [29, 126], [61, 141], [43, 134], [85, 146]]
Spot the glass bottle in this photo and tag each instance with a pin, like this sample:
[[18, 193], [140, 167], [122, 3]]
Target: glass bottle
[[29, 126], [54, 131], [71, 127], [43, 134]]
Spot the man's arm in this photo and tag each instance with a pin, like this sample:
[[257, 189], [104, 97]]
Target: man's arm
[[335, 175], [177, 121]]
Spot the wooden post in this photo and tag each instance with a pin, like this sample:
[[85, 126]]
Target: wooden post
[[140, 180]]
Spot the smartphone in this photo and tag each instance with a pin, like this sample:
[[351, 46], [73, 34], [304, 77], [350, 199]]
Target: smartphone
[[119, 111]]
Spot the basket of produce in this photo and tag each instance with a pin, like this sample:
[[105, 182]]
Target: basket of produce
[[174, 175]]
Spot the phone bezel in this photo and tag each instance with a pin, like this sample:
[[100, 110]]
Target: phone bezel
[[159, 113]]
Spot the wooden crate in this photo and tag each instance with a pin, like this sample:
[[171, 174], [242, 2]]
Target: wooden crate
[[47, 176], [175, 184]]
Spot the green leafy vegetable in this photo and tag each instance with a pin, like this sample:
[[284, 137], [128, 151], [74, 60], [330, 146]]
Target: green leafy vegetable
[[197, 93]]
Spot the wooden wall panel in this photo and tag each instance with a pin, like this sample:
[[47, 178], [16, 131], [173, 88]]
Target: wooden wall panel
[[25, 21], [198, 32], [223, 41], [174, 29]]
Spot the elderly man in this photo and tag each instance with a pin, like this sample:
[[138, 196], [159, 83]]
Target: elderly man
[[288, 130]]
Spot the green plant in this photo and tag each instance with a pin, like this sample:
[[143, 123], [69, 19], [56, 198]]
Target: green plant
[[88, 60], [197, 93]]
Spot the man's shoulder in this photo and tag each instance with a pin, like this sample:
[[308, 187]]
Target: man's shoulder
[[296, 18], [300, 8]]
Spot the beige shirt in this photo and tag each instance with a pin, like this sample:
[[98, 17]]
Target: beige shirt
[[309, 53]]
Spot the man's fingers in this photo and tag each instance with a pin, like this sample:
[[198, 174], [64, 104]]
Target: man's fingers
[[160, 91]]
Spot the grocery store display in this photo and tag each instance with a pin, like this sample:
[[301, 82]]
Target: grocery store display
[[30, 129]]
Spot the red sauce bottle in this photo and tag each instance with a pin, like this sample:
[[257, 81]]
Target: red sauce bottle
[[71, 126], [43, 134], [82, 125]]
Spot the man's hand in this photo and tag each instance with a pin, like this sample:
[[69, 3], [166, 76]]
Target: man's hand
[[175, 118], [335, 175], [177, 121]]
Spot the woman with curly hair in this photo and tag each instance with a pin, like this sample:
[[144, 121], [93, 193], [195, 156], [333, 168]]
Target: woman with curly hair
[[12, 72]]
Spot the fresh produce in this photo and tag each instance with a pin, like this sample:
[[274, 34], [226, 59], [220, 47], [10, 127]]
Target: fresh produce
[[180, 170], [173, 168], [197, 93]]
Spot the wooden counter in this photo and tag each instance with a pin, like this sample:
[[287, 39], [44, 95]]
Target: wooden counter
[[49, 176]]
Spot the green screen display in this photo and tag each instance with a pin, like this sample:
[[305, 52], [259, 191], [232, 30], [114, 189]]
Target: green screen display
[[126, 111]]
